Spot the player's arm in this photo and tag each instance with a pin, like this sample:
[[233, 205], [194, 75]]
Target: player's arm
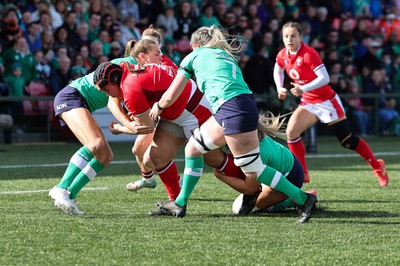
[[128, 126], [144, 119], [321, 80], [279, 77], [170, 96]]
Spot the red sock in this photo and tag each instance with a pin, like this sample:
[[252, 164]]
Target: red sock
[[229, 168], [296, 146], [147, 175], [170, 177], [365, 151]]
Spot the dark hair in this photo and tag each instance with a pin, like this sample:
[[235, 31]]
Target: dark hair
[[107, 73]]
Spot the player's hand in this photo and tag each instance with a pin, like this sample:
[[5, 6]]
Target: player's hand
[[115, 128], [137, 128], [154, 112], [295, 90], [282, 93]]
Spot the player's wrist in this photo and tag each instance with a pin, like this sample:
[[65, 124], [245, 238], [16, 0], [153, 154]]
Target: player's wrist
[[159, 107]]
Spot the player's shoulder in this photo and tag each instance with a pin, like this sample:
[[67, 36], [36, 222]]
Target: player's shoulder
[[305, 49]]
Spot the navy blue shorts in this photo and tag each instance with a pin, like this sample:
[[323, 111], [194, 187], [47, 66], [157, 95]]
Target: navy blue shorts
[[67, 99], [238, 115], [296, 175]]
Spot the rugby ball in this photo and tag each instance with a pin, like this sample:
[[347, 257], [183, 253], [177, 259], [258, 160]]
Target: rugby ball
[[237, 203]]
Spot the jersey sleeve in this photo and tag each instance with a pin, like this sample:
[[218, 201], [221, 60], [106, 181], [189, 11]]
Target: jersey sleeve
[[186, 66], [279, 59]]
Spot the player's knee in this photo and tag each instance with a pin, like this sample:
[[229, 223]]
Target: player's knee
[[101, 150], [350, 143], [250, 162], [202, 141]]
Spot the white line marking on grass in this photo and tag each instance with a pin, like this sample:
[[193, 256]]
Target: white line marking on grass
[[313, 156], [46, 190]]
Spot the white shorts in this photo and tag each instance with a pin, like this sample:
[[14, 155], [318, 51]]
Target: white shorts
[[328, 111], [196, 112]]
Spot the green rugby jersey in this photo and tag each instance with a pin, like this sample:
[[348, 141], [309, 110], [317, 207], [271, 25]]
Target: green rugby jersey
[[276, 156], [217, 75], [95, 99]]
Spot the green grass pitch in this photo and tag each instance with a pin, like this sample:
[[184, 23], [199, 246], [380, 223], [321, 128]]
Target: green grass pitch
[[356, 221]]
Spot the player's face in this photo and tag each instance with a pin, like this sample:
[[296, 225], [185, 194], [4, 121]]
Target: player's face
[[154, 56], [112, 90], [291, 39]]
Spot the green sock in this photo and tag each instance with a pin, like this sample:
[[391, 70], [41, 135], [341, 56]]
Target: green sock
[[193, 170], [88, 173], [77, 162], [276, 180], [286, 204]]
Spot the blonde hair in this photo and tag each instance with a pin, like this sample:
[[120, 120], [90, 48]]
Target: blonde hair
[[153, 32], [216, 37], [271, 125]]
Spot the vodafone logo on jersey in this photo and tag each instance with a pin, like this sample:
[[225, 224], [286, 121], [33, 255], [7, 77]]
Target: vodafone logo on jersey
[[294, 74]]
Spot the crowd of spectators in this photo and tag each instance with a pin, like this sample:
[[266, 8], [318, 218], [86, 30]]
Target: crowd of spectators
[[52, 42]]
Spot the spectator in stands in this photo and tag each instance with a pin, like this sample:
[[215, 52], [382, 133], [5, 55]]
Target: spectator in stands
[[47, 40], [128, 8], [257, 73], [169, 51], [9, 29], [371, 57], [387, 114], [83, 35], [26, 19], [19, 53], [129, 30], [77, 72], [117, 36], [186, 23], [61, 75], [145, 15], [229, 22], [71, 25], [94, 26], [77, 8], [32, 36], [104, 38], [361, 117], [60, 12], [96, 50], [45, 21], [115, 50], [207, 17], [16, 87], [108, 24], [62, 39], [94, 7], [42, 67], [84, 51], [168, 20]]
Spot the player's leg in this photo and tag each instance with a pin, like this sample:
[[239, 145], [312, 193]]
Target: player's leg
[[300, 121], [349, 141], [167, 141], [142, 142]]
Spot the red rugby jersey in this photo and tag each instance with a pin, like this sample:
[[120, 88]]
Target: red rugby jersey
[[301, 69], [140, 91]]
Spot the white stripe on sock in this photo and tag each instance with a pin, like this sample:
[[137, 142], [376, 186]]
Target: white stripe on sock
[[275, 179]]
